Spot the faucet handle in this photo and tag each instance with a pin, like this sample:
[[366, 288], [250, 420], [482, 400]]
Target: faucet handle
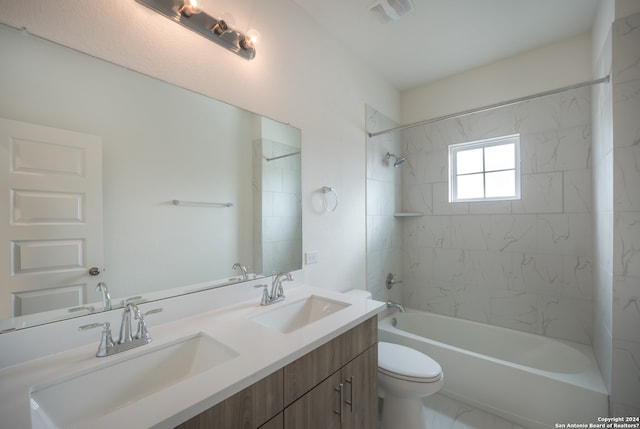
[[106, 325], [265, 294], [143, 332], [391, 280], [106, 340], [154, 311], [131, 300]]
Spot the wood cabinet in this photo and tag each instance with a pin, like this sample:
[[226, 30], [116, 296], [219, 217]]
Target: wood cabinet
[[333, 386], [346, 400], [248, 408], [275, 423]]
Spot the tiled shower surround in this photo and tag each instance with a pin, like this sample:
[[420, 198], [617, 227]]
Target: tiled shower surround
[[558, 262], [523, 264]]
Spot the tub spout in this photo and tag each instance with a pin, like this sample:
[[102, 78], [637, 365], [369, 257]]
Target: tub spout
[[400, 307]]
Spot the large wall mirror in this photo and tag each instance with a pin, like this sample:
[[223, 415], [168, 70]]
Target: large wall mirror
[[164, 191]]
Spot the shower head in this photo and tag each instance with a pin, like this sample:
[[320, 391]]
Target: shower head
[[398, 159]]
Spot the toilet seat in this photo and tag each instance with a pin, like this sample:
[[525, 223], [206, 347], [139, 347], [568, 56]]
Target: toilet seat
[[407, 364]]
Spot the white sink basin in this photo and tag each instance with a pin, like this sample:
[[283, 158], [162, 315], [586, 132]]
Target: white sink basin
[[289, 317], [84, 396]]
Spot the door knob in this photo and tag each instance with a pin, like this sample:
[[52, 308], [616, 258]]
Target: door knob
[[94, 271]]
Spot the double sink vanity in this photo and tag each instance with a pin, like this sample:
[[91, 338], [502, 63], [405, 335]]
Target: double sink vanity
[[231, 363]]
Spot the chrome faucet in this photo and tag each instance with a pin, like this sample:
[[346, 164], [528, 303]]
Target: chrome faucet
[[127, 339], [106, 298], [400, 307], [126, 327], [243, 270], [277, 291]]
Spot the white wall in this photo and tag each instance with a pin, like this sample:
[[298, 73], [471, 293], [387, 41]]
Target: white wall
[[299, 76], [549, 67]]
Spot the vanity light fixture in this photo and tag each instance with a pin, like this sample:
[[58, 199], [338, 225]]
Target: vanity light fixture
[[188, 14]]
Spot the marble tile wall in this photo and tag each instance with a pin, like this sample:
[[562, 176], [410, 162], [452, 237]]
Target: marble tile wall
[[625, 382], [525, 264]]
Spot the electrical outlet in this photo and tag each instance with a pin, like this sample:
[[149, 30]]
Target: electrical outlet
[[311, 258]]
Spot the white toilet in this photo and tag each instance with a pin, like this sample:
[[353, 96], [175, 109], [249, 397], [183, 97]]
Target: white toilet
[[405, 376]]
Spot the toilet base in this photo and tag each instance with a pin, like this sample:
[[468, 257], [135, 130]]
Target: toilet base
[[400, 412]]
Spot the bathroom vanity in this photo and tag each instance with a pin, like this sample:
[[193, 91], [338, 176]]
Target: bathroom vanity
[[333, 386], [309, 359]]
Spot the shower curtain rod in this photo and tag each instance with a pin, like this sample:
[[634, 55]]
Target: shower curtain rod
[[493, 106]]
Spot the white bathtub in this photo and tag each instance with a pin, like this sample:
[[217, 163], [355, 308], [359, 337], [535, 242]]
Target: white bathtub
[[531, 380]]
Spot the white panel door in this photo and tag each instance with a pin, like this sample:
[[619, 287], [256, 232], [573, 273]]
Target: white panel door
[[51, 219]]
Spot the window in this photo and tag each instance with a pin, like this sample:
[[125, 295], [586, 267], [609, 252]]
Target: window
[[485, 170]]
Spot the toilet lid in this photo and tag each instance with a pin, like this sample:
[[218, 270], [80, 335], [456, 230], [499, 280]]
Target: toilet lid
[[406, 363]]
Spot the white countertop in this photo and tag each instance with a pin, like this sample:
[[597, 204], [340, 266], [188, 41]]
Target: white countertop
[[261, 351]]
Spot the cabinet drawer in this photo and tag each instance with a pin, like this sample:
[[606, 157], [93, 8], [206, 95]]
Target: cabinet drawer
[[250, 407], [308, 371]]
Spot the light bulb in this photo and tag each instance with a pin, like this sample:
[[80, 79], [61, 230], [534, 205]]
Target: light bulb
[[253, 35], [190, 7], [250, 39]]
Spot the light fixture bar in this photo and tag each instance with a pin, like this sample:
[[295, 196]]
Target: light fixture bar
[[205, 25]]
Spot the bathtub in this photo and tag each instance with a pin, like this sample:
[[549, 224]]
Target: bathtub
[[529, 379]]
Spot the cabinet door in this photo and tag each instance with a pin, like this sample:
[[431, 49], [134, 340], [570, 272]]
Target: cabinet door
[[319, 408], [360, 378]]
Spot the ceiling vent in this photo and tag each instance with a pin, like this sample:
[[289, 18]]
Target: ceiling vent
[[391, 10]]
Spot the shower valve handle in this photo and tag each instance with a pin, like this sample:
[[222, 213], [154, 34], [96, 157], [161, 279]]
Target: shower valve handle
[[390, 281]]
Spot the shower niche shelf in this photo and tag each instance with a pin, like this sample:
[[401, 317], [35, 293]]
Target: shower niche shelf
[[408, 214]]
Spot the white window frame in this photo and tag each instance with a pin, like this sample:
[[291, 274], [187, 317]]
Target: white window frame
[[498, 141]]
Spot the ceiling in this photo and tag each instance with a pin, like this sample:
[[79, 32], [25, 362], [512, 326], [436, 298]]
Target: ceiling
[[444, 37]]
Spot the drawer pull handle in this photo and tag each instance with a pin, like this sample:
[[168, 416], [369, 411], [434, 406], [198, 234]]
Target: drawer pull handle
[[340, 411], [350, 401]]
